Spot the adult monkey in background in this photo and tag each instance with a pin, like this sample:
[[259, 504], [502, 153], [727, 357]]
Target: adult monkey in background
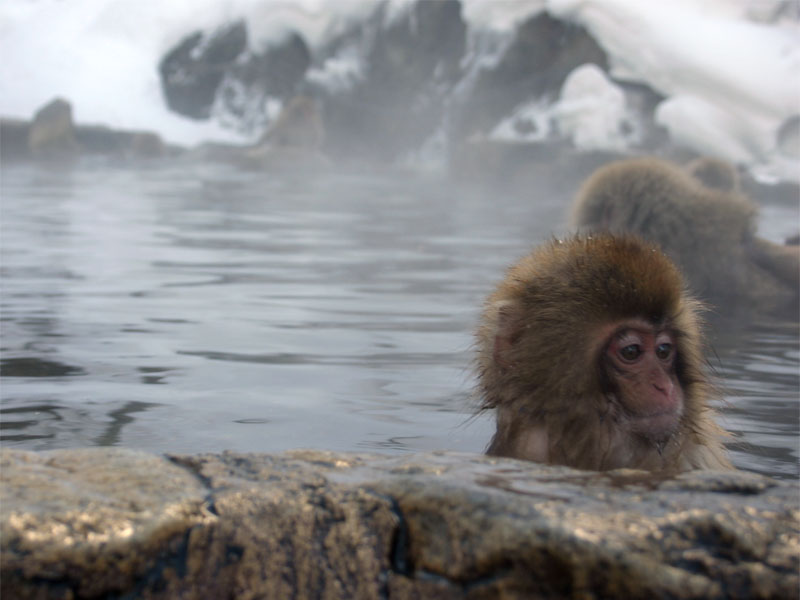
[[292, 141], [590, 351], [715, 173], [710, 232], [299, 125]]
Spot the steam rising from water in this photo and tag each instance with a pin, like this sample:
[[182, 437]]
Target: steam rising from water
[[729, 70]]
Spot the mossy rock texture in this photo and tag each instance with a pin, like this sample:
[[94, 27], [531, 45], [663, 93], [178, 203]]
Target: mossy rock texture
[[114, 523]]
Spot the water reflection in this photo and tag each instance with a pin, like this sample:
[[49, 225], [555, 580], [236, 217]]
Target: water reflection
[[758, 368], [153, 375], [36, 367], [119, 418], [198, 309], [19, 424], [44, 425]]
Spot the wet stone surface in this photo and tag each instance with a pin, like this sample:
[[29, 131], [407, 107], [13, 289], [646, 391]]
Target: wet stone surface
[[310, 524]]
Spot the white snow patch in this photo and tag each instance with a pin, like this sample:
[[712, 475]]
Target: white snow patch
[[730, 82], [592, 111]]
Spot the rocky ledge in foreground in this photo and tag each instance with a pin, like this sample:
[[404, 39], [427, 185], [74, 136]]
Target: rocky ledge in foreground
[[118, 523]]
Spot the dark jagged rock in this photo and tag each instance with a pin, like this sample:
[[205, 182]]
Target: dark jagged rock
[[402, 84], [544, 51], [216, 74], [308, 524], [788, 137], [192, 71], [642, 101], [281, 67], [276, 72], [401, 98], [405, 87]]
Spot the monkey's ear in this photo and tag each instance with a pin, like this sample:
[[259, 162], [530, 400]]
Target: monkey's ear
[[505, 333]]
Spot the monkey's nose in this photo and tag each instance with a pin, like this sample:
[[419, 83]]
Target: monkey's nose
[[665, 387]]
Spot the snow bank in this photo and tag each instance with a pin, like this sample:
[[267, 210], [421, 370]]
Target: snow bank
[[103, 55], [730, 82], [729, 69]]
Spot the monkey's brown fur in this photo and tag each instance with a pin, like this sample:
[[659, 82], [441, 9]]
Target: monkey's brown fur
[[299, 125], [553, 306], [709, 233], [715, 174]]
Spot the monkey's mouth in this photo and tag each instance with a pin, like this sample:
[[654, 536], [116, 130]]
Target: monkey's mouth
[[656, 426]]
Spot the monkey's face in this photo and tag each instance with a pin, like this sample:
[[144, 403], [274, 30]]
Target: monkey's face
[[639, 361]]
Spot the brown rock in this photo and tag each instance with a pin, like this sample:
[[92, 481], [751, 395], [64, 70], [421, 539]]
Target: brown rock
[[306, 524], [299, 125], [52, 133], [91, 522]]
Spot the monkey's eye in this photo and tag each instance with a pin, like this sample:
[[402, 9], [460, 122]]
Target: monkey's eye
[[664, 351], [631, 352]]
